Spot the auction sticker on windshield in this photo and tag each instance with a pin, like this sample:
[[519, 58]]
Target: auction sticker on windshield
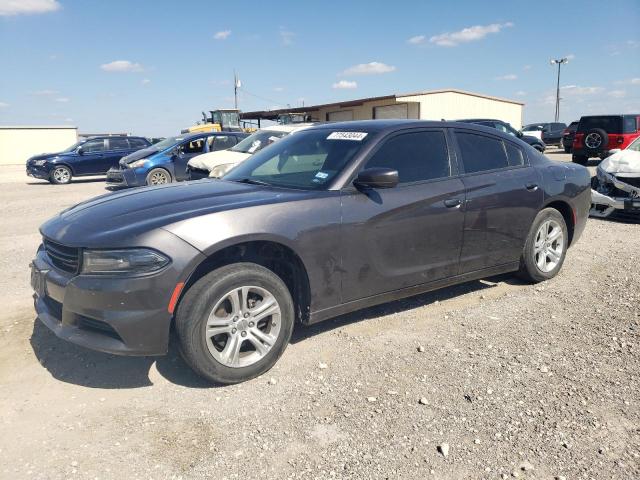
[[355, 136]]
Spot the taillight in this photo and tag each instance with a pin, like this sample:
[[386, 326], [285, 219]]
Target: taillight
[[577, 140]]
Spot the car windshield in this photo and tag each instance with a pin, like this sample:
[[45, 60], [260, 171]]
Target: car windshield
[[533, 128], [73, 147], [308, 160], [635, 145], [256, 142], [167, 142]]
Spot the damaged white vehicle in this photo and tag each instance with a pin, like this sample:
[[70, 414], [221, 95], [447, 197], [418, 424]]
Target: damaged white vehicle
[[616, 187]]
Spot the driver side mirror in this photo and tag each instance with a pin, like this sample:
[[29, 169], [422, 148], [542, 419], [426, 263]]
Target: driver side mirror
[[80, 151], [377, 178], [520, 134]]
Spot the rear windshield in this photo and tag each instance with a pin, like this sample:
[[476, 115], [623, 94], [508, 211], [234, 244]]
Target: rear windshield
[[609, 123]]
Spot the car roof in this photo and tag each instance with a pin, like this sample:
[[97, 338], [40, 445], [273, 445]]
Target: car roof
[[288, 128], [192, 136], [374, 126], [471, 120]]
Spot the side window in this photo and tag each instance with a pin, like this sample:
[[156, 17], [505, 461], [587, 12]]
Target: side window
[[220, 142], [118, 144], [629, 125], [195, 146], [514, 155], [416, 156], [137, 143], [93, 146], [480, 153]]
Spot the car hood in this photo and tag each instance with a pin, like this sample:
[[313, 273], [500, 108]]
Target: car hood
[[117, 218], [208, 161], [625, 163], [138, 154], [47, 156]]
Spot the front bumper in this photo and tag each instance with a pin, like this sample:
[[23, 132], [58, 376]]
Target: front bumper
[[122, 178], [38, 172], [603, 206], [124, 316]]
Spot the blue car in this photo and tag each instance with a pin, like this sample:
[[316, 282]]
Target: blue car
[[92, 156], [166, 161]]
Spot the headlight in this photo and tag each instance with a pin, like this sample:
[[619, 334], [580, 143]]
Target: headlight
[[39, 163], [138, 164], [221, 170], [126, 261]]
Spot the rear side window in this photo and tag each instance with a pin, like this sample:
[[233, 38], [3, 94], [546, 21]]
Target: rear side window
[[137, 143], [221, 142], [630, 125], [416, 156], [118, 144], [480, 153], [514, 155], [610, 124]]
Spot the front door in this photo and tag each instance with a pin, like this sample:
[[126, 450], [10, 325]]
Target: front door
[[410, 234], [91, 162], [502, 199], [186, 152], [117, 147]]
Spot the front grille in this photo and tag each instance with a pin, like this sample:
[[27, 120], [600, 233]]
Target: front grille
[[63, 257]]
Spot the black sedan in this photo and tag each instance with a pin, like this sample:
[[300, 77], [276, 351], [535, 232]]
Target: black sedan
[[505, 127], [332, 219]]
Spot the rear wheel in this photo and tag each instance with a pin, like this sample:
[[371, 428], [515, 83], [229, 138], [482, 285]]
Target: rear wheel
[[60, 175], [546, 247], [158, 176], [235, 322]]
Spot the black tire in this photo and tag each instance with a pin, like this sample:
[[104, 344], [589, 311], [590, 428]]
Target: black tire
[[580, 159], [155, 175], [599, 136], [529, 270], [60, 175], [197, 304]]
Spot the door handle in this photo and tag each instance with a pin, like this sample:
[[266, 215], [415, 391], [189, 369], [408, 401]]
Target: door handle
[[532, 187], [452, 203]]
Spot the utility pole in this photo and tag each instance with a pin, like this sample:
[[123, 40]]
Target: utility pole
[[236, 86], [559, 62]]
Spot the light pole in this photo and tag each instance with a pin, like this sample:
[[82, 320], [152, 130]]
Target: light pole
[[559, 61]]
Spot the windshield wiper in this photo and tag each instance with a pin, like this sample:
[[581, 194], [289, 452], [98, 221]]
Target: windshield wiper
[[253, 181]]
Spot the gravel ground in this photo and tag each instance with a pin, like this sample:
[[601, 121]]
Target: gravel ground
[[491, 379]]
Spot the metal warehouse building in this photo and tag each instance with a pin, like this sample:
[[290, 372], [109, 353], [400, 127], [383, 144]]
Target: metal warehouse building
[[448, 104], [18, 143]]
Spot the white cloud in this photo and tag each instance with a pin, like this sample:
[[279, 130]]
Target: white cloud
[[286, 36], [278, 89], [521, 93], [63, 99], [630, 81], [45, 93], [145, 81], [417, 40], [571, 56], [470, 34], [3, 105], [121, 66], [222, 35], [617, 93], [345, 85], [526, 67], [372, 68], [27, 7], [577, 90], [509, 76]]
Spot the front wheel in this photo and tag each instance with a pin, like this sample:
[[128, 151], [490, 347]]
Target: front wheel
[[60, 175], [158, 176], [546, 247], [235, 322]]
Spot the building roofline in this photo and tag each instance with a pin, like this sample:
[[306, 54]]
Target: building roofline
[[37, 127], [360, 101]]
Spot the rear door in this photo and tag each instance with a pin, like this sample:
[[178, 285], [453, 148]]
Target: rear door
[[117, 147], [393, 238], [91, 162], [503, 197]]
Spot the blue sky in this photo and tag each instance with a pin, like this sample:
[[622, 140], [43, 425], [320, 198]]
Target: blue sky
[[175, 59]]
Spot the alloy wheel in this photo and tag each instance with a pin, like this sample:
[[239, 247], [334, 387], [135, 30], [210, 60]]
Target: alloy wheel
[[61, 175], [593, 140], [548, 246], [158, 178], [243, 326]]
